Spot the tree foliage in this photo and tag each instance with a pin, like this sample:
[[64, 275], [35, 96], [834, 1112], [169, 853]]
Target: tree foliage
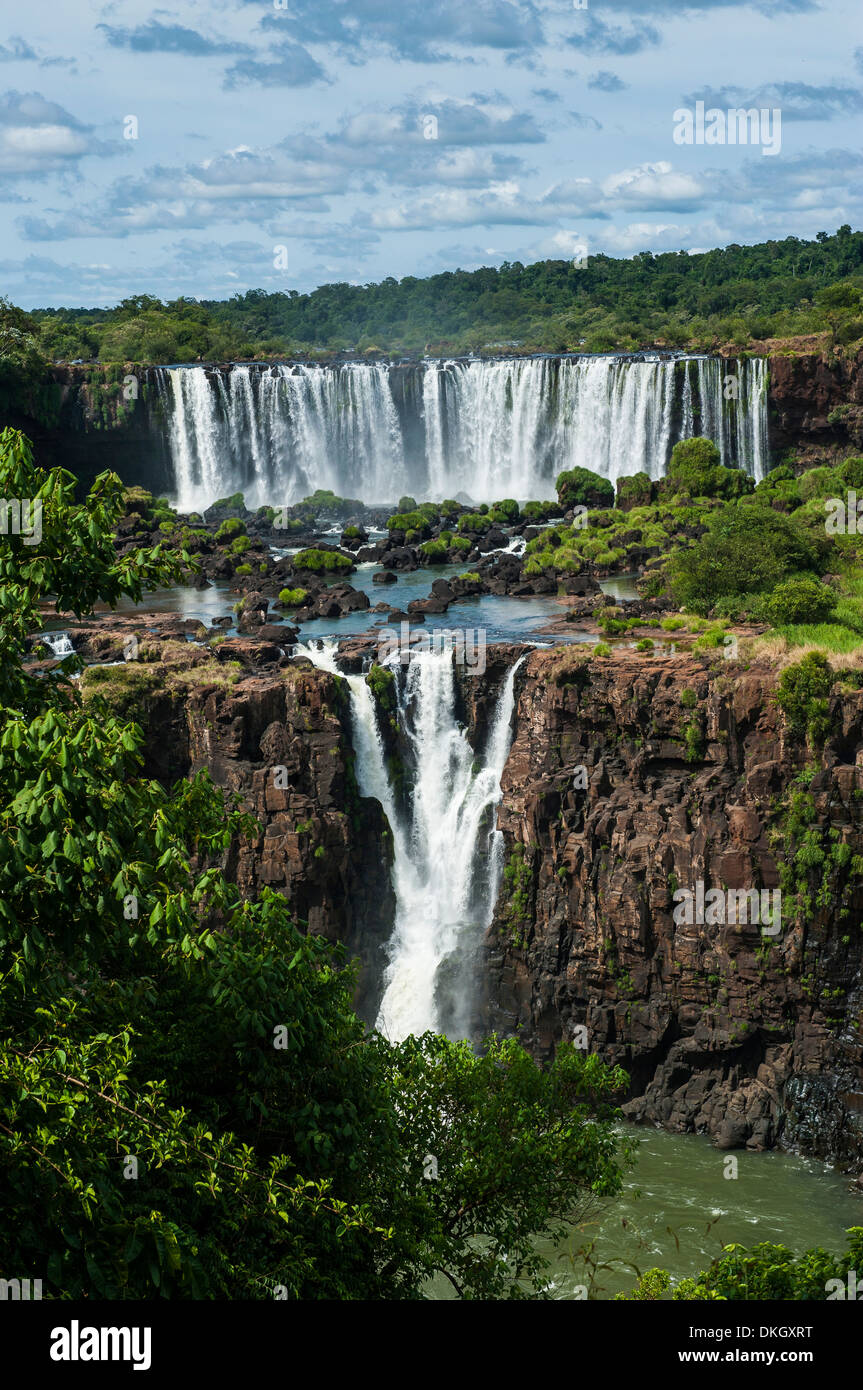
[[189, 1106], [729, 295]]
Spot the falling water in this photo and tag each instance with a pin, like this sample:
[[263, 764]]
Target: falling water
[[490, 429], [59, 642], [447, 851]]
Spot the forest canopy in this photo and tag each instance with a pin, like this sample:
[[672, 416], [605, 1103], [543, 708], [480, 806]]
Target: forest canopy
[[732, 295]]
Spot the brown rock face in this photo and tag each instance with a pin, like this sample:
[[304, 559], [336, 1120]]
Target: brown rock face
[[629, 780], [281, 740], [816, 405]]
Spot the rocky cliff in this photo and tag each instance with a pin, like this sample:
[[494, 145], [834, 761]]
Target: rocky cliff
[[280, 740], [815, 406], [629, 779], [689, 773], [84, 421]]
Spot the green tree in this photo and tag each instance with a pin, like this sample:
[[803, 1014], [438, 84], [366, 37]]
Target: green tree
[[744, 549], [581, 487], [764, 1273], [189, 1107]]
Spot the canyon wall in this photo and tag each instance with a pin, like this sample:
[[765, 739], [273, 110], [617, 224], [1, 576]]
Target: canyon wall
[[83, 421], [690, 771], [816, 406], [280, 740], [628, 779]]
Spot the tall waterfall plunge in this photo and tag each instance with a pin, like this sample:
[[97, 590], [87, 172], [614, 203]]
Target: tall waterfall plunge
[[447, 851], [489, 429]]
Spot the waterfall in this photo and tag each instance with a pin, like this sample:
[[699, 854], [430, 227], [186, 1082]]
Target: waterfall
[[447, 851], [59, 642], [729, 405], [491, 429]]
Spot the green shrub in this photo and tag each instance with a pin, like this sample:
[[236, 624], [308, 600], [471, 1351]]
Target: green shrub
[[744, 549], [711, 639], [633, 491], [602, 649], [802, 600], [474, 523], [645, 644], [382, 683], [240, 545], [293, 598], [540, 511], [435, 551], [819, 482], [324, 501], [409, 521], [407, 504], [580, 487], [851, 473], [235, 502], [243, 569], [610, 621], [766, 1273], [803, 695], [316, 560], [695, 468], [232, 527]]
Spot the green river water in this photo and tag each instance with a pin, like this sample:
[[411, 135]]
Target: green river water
[[677, 1210]]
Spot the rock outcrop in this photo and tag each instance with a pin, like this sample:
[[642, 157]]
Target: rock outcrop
[[279, 738], [815, 406], [627, 780]]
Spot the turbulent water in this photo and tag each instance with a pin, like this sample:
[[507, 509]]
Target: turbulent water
[[489, 429], [447, 851]]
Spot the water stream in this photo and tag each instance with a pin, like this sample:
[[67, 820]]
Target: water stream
[[485, 429], [447, 848]]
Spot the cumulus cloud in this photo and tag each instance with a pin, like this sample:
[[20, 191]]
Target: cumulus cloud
[[412, 29], [586, 122], [481, 119], [501, 203], [17, 50], [604, 81], [798, 101], [593, 35], [288, 64], [155, 37], [38, 137]]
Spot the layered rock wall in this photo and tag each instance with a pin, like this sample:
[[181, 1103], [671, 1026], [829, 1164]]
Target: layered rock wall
[[690, 771]]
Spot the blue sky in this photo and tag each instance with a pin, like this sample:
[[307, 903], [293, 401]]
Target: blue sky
[[303, 124]]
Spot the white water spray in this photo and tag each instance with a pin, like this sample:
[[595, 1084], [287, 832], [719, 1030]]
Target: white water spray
[[447, 859], [491, 429]]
